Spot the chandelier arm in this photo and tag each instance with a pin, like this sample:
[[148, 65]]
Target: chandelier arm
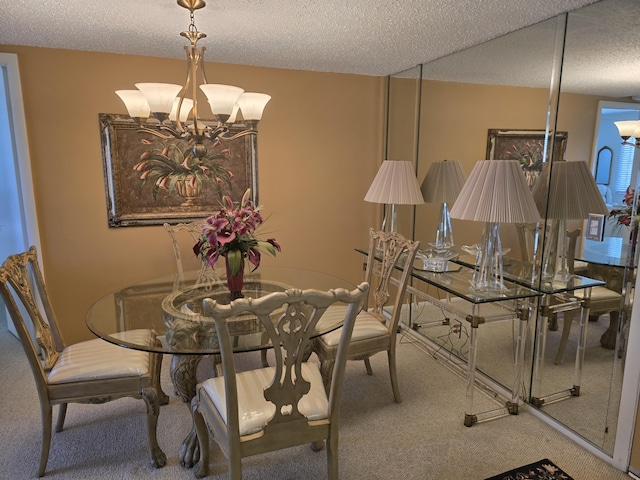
[[158, 129], [222, 136]]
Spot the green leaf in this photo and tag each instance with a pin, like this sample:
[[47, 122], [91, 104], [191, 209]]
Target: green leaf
[[267, 246], [234, 258]]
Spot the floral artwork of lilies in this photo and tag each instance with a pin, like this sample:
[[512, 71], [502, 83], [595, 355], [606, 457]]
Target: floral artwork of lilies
[[231, 233], [168, 168]]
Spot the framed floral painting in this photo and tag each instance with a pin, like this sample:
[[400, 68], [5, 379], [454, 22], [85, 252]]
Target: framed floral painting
[[526, 146], [153, 178]]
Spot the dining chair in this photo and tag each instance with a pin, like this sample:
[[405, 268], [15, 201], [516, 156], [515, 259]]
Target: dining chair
[[603, 300], [389, 264], [183, 237], [273, 408], [92, 371]]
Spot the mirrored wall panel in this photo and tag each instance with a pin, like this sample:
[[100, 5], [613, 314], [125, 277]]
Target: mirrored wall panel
[[500, 101]]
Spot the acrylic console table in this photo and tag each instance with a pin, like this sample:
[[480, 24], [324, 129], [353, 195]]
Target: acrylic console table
[[478, 308], [555, 297]]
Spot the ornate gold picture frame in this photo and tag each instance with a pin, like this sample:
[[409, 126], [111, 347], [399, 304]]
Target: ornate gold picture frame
[[151, 179], [526, 146]]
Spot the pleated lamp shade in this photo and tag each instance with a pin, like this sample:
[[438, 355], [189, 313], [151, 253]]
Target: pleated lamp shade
[[443, 182], [496, 191], [395, 183], [570, 189]]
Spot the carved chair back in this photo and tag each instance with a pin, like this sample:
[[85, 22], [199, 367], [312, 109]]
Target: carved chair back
[[183, 237], [389, 263], [289, 319]]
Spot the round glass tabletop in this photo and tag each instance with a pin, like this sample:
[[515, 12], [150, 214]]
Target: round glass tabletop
[[173, 310]]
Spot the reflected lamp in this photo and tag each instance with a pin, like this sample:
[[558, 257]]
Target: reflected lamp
[[394, 184], [442, 184], [495, 192], [564, 191]]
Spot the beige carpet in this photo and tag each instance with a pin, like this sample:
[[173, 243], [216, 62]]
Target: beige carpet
[[421, 438]]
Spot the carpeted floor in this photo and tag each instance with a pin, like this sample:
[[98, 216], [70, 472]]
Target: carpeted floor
[[421, 438]]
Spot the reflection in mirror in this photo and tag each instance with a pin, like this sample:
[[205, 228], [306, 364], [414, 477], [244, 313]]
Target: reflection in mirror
[[507, 83], [402, 134], [594, 74], [464, 98]]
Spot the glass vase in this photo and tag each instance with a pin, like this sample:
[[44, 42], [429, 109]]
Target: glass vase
[[235, 282]]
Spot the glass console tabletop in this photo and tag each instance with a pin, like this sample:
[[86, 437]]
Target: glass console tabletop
[[173, 311], [519, 272]]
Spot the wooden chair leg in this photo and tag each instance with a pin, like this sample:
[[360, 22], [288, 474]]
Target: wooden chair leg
[[62, 413], [367, 365], [566, 329], [391, 354], [202, 467], [332, 457], [47, 415]]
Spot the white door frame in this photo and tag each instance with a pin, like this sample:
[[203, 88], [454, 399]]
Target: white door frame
[[27, 204]]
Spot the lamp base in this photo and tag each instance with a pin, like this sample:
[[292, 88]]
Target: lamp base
[[488, 273], [444, 234]]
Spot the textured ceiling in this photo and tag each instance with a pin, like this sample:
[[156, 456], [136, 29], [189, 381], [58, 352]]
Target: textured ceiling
[[601, 54], [369, 37]]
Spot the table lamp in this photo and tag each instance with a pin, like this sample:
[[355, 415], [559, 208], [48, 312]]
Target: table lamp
[[394, 184], [442, 184], [564, 191], [495, 192]]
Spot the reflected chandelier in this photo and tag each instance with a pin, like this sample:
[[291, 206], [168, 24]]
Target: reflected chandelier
[[164, 100]]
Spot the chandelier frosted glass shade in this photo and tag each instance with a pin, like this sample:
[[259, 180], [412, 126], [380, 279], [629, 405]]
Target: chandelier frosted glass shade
[[221, 98], [252, 105], [135, 102], [628, 128], [159, 96]]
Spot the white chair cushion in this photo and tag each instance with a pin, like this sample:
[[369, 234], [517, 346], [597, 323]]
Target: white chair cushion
[[254, 410], [366, 326], [598, 294], [96, 359]]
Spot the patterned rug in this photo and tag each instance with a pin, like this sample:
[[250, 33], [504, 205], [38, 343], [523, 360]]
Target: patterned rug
[[542, 470]]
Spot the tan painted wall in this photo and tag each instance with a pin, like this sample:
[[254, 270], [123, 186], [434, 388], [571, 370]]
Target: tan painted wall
[[320, 144]]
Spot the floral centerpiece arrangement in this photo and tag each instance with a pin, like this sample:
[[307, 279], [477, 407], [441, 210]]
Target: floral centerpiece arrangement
[[231, 233], [627, 215]]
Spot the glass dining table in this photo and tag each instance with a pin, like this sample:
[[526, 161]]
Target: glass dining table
[[172, 308]]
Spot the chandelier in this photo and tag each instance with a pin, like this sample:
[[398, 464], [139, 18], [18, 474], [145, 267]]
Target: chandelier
[[628, 129], [165, 100]]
